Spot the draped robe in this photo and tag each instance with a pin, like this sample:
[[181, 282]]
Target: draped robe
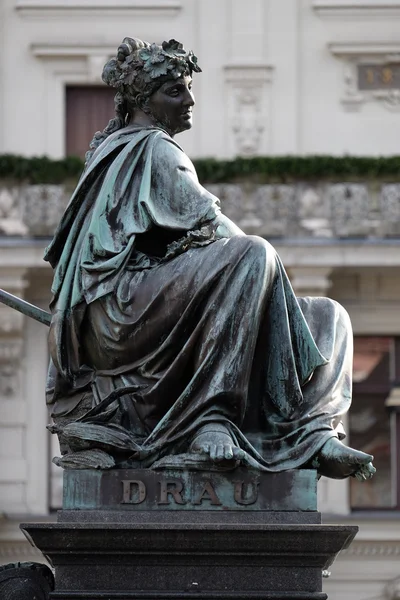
[[160, 324]]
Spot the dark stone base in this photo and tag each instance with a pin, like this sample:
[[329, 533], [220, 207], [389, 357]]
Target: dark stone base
[[105, 554]]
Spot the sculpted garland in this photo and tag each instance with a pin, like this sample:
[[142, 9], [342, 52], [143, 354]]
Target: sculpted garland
[[176, 340]]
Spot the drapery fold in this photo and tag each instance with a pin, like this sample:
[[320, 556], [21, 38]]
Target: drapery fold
[[208, 331]]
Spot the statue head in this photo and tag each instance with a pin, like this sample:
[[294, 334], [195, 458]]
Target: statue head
[[153, 85], [141, 69]]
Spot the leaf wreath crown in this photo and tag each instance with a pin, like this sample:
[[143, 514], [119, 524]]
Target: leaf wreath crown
[[139, 64]]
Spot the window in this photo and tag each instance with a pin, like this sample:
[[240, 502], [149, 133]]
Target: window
[[88, 109], [375, 420]]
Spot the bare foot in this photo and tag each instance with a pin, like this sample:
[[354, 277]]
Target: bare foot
[[365, 472], [338, 461], [214, 439]]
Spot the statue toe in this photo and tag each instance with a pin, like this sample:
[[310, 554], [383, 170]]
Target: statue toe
[[338, 461]]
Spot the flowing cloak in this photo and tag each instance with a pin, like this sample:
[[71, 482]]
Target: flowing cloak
[[171, 326]]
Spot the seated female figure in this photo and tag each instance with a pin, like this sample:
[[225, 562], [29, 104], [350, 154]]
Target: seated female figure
[[175, 336]]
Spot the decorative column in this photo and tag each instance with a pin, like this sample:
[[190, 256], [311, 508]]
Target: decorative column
[[11, 328], [12, 404]]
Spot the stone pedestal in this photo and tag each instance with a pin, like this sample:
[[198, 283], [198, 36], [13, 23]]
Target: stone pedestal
[[166, 535]]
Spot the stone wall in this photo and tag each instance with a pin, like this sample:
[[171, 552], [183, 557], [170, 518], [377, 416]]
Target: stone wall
[[299, 210]]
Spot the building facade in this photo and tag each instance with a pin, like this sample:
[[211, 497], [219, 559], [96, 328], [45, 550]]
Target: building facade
[[280, 77]]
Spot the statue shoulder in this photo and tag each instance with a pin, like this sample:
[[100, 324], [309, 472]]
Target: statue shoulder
[[167, 152]]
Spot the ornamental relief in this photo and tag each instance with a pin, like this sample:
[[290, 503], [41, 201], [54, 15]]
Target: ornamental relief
[[390, 201], [33, 210], [10, 363], [392, 589], [247, 93], [10, 350], [9, 380], [371, 72], [316, 210], [11, 321], [349, 204], [277, 210], [10, 212], [248, 121], [42, 208]]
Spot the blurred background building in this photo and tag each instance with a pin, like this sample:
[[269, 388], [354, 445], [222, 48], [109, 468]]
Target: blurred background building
[[280, 77]]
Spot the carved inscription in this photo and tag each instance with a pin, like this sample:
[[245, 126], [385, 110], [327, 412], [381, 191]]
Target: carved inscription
[[180, 490], [133, 491], [208, 493], [171, 489], [177, 492], [246, 494]]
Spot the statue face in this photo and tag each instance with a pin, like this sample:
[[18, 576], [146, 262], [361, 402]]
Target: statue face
[[171, 105]]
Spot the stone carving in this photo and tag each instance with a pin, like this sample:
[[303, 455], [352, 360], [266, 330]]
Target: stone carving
[[11, 339], [10, 353], [390, 209], [375, 549], [246, 124], [389, 98], [269, 210], [355, 55], [349, 205], [233, 200], [313, 212], [248, 107], [275, 206], [31, 209], [352, 99], [10, 213], [390, 202], [9, 380], [42, 208], [392, 589], [150, 490], [10, 320], [10, 350]]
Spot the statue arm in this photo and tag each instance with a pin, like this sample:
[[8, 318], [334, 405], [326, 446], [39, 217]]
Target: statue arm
[[179, 200]]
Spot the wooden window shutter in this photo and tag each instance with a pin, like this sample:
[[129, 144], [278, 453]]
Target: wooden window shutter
[[88, 109]]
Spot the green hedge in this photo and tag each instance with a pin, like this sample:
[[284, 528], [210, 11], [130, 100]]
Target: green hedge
[[262, 168], [39, 169], [306, 168]]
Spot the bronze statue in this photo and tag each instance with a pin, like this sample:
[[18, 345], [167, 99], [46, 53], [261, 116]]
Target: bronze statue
[[176, 339]]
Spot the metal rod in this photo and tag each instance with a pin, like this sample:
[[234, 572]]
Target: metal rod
[[34, 312]]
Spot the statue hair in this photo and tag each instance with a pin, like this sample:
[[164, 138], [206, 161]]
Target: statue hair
[[117, 122], [120, 101], [136, 80]]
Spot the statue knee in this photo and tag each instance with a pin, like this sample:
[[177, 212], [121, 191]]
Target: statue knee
[[342, 316], [257, 247]]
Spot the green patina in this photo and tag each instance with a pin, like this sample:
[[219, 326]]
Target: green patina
[[176, 340], [171, 489]]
